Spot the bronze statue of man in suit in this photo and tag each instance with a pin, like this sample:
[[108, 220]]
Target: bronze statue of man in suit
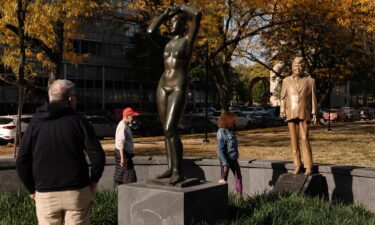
[[298, 106]]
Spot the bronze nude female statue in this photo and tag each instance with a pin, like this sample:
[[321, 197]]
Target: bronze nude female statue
[[171, 94]]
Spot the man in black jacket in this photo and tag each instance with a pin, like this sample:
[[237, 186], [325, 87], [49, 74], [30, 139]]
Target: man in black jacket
[[52, 162]]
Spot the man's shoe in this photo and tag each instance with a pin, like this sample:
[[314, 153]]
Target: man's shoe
[[297, 170]]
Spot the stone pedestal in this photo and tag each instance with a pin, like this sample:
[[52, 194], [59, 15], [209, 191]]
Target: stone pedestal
[[314, 185], [140, 203]]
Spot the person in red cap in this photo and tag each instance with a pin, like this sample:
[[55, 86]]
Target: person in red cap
[[124, 171]]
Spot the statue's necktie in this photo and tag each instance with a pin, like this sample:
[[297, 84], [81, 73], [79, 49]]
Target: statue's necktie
[[296, 82]]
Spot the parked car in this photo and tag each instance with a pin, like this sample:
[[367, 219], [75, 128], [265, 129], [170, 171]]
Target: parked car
[[234, 109], [242, 122], [103, 126], [275, 111], [367, 113], [351, 114], [8, 127], [147, 124], [256, 120], [202, 111], [333, 115], [253, 109], [273, 117], [268, 119], [194, 124]]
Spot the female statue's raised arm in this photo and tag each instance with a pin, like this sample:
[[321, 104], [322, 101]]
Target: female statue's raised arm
[[153, 29], [193, 23]]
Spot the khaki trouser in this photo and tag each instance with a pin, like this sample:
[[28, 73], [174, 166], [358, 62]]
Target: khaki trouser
[[300, 130], [72, 205]]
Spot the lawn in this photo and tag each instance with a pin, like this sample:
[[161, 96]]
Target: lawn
[[18, 208], [348, 144]]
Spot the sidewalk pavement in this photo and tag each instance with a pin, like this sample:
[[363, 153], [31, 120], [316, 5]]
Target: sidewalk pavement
[[6, 156]]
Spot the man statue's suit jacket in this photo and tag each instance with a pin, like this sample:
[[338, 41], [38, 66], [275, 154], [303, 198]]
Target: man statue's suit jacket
[[298, 98]]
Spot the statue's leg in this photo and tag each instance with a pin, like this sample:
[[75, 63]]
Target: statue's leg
[[175, 109], [161, 100], [305, 144], [293, 133]]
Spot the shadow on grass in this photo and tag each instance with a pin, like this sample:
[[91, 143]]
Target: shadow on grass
[[267, 142], [290, 208]]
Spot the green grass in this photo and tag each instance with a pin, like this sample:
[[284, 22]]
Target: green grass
[[265, 209], [292, 209], [19, 209]]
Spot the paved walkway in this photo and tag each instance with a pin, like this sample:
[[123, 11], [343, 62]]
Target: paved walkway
[[6, 156]]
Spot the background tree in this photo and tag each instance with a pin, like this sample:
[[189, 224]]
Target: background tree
[[17, 58], [255, 79], [50, 27], [334, 37], [228, 28]]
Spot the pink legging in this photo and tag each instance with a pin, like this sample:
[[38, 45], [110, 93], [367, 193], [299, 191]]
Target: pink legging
[[236, 169]]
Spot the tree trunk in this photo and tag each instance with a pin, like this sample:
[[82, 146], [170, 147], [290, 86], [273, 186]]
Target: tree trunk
[[220, 83], [224, 99], [253, 82], [59, 53], [21, 11], [17, 137]]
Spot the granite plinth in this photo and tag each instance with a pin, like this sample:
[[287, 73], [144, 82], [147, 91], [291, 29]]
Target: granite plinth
[[187, 182], [140, 203], [314, 185]]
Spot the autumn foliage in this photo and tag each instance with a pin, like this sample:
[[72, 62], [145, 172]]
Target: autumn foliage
[[50, 27], [338, 34]]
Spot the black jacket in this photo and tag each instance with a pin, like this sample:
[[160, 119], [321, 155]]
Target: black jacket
[[52, 151]]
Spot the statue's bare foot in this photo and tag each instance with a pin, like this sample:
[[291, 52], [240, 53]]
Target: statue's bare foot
[[166, 174], [175, 178]]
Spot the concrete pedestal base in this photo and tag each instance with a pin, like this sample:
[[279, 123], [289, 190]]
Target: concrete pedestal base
[[140, 203], [314, 185]]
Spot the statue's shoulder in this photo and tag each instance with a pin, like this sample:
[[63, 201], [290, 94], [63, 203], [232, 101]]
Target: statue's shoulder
[[310, 78], [288, 78]]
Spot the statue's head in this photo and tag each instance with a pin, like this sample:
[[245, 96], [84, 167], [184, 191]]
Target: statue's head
[[178, 24], [298, 66]]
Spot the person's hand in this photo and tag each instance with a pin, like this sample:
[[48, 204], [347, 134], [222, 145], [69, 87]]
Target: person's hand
[[222, 181], [314, 119], [174, 10], [32, 196], [93, 187], [122, 161], [283, 115]]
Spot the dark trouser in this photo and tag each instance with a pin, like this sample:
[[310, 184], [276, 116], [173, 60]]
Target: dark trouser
[[124, 174], [236, 169]]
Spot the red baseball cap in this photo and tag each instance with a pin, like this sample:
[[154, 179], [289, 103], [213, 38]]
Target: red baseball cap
[[129, 112]]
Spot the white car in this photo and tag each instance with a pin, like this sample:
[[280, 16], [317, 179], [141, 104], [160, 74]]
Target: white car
[[253, 109], [8, 127], [242, 122]]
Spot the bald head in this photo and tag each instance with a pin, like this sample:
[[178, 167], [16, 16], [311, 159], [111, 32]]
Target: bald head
[[60, 90]]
